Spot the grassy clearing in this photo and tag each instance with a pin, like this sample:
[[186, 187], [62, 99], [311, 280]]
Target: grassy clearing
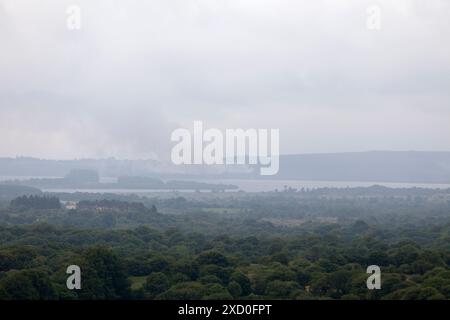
[[137, 282]]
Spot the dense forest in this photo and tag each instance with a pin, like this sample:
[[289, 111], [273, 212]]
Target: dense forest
[[294, 244]]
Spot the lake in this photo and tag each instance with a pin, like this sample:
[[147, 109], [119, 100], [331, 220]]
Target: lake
[[270, 185], [250, 185]]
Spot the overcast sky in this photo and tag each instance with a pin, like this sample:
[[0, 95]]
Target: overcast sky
[[139, 69]]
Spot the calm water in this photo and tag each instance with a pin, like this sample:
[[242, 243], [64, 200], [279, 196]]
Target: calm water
[[22, 178], [270, 185], [251, 185]]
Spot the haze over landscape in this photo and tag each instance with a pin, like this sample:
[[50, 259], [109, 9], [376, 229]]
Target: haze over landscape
[[410, 167], [349, 100], [137, 70]]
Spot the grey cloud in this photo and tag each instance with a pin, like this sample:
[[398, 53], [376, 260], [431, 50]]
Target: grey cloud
[[138, 69]]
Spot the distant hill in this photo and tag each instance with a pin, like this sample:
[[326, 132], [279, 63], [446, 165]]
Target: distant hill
[[26, 166], [9, 191], [382, 166], [373, 166]]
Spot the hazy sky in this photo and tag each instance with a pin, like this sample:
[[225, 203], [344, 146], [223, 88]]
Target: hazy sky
[[138, 69]]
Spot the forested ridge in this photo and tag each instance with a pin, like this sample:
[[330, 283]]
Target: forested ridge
[[286, 245]]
